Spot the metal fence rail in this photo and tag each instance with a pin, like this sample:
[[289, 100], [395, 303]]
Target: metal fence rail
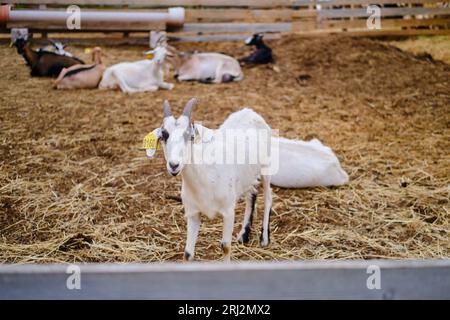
[[405, 279]]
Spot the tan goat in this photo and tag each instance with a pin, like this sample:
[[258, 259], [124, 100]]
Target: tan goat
[[82, 76]]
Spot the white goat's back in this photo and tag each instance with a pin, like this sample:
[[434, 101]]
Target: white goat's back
[[130, 76], [244, 119], [305, 164]]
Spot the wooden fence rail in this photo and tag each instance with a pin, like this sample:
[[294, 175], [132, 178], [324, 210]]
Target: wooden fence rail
[[214, 3], [210, 19], [377, 279]]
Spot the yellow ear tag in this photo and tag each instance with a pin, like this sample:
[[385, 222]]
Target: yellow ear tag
[[151, 144], [149, 56], [87, 50]]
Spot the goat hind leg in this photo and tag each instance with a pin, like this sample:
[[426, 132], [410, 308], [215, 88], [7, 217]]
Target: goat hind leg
[[265, 230], [250, 206], [219, 74], [123, 84]]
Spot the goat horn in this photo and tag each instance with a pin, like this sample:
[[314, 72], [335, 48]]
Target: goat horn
[[167, 111], [188, 108]]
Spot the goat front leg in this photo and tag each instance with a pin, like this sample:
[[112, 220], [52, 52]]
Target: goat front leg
[[184, 77], [264, 239], [193, 226], [149, 88], [250, 206], [219, 74], [227, 234], [166, 85]]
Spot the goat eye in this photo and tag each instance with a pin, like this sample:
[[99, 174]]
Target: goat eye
[[165, 135]]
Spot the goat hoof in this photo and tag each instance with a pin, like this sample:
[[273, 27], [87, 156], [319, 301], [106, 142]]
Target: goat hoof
[[241, 240], [263, 242], [187, 256], [225, 248]]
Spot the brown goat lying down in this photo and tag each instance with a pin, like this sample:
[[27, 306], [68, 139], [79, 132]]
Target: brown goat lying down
[[43, 63], [82, 76]]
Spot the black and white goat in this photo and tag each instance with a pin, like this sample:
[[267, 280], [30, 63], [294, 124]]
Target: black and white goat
[[44, 63], [262, 54], [214, 187]]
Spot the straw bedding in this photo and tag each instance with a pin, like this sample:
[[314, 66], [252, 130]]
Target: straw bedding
[[74, 187]]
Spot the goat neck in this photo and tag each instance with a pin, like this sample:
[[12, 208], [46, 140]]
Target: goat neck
[[261, 45], [196, 151], [97, 56], [30, 56], [178, 58]]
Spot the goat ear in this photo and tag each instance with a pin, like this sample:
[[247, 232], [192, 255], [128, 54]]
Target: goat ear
[[151, 142], [195, 134], [158, 133]]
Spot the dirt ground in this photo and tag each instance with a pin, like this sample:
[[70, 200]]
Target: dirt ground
[[438, 46], [74, 186]]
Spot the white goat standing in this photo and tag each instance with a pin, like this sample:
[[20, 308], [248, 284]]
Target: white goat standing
[[138, 76], [215, 188]]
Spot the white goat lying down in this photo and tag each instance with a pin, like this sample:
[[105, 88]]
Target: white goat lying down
[[307, 164], [206, 67], [214, 188], [138, 76]]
